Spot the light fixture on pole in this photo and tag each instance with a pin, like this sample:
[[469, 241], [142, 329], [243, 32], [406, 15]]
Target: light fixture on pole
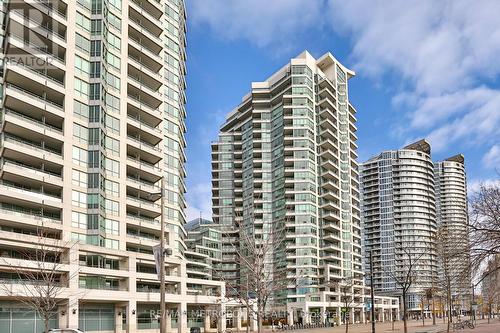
[[159, 252], [372, 295]]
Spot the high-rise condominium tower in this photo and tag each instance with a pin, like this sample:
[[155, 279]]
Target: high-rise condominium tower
[[452, 221], [92, 111], [399, 218], [286, 156]]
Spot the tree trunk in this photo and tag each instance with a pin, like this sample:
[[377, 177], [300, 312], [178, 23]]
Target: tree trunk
[[259, 321], [46, 324], [393, 317], [423, 313], [248, 318], [346, 323], [433, 311], [489, 313], [450, 308], [405, 325], [443, 311]]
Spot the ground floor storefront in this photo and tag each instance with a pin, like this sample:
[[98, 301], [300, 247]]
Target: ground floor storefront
[[338, 313], [125, 317]]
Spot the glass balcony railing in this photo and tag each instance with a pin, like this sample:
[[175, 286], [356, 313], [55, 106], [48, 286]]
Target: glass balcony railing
[[43, 50], [33, 95], [26, 143], [140, 142], [30, 214], [33, 121], [29, 191], [142, 124], [32, 169]]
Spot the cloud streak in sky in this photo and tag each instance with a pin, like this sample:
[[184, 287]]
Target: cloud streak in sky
[[438, 59], [443, 53], [261, 22]]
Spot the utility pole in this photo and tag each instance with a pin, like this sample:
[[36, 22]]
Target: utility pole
[[472, 306], [163, 320], [371, 292]]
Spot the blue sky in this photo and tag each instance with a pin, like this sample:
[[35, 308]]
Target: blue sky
[[425, 69]]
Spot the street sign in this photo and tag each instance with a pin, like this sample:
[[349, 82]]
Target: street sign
[[368, 306], [158, 258]]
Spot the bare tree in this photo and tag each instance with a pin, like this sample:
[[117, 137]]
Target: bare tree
[[40, 276], [484, 213], [491, 287], [430, 295], [347, 297], [405, 276], [446, 277], [262, 274]]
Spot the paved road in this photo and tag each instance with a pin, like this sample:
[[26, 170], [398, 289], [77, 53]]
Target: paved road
[[413, 326]]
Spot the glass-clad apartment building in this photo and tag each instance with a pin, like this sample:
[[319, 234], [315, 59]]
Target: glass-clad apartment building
[[92, 119], [285, 159]]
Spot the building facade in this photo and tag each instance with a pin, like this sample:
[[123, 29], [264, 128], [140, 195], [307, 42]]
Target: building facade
[[92, 114], [285, 159], [490, 290], [452, 221], [399, 219], [204, 249]]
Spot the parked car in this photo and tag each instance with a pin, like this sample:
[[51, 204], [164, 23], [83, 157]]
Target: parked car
[[195, 330], [66, 330]]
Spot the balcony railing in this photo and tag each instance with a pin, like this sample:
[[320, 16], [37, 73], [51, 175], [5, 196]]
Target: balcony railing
[[154, 129], [152, 72], [33, 120], [38, 97], [30, 191], [50, 78], [143, 219], [143, 202], [140, 142], [41, 26], [143, 237], [48, 5], [143, 183], [144, 105], [29, 214], [30, 282], [143, 163], [36, 170], [143, 85], [10, 138], [143, 47], [44, 50]]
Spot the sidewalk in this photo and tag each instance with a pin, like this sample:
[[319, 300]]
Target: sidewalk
[[414, 326]]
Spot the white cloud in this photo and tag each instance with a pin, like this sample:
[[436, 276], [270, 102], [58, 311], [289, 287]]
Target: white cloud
[[262, 22], [199, 198], [474, 185], [492, 158], [445, 52]]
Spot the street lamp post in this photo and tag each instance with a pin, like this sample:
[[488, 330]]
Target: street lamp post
[[472, 306], [372, 295], [160, 258], [162, 266]]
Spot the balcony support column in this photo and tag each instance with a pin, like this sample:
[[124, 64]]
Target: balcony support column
[[131, 316], [118, 319], [182, 318]]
